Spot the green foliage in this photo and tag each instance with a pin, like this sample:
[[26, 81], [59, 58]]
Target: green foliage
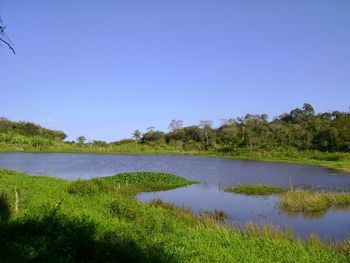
[[81, 139], [255, 189], [333, 157], [123, 141], [29, 130], [5, 210], [290, 201], [18, 139], [122, 210], [89, 187], [301, 128], [61, 238], [99, 143], [300, 136], [309, 201], [142, 178], [137, 135]]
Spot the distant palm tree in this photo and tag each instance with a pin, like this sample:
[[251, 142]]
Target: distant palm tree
[[137, 135]]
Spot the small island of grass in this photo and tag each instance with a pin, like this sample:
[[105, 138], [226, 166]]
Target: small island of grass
[[263, 190], [149, 181], [310, 201], [296, 200]]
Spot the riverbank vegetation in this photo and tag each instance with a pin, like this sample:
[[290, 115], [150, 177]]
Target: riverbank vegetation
[[44, 220], [300, 136], [311, 201]]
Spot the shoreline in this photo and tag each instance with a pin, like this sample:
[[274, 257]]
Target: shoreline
[[341, 166]]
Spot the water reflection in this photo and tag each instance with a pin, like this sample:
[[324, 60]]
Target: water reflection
[[332, 224]]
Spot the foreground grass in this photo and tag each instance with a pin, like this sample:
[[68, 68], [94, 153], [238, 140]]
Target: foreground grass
[[263, 190], [96, 221]]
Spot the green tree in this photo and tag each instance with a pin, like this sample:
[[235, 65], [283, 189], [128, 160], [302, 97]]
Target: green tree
[[81, 139], [137, 135], [175, 125], [208, 132]]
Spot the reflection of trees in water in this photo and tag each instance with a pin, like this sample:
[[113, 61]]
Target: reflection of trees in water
[[306, 215]]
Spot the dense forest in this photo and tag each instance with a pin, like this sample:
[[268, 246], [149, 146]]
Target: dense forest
[[22, 133], [300, 129]]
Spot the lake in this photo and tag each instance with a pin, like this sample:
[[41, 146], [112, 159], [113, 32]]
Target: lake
[[213, 174]]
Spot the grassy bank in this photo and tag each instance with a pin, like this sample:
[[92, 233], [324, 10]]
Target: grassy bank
[[100, 220]]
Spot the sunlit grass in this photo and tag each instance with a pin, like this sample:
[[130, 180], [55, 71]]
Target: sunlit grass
[[255, 189], [310, 201], [298, 200]]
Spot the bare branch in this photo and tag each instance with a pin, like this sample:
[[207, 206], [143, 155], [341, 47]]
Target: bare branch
[[4, 39], [8, 45]]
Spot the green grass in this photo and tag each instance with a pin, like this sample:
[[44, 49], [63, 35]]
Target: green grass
[[60, 221], [305, 201], [142, 178], [299, 200], [255, 189], [310, 201], [147, 182], [90, 187]]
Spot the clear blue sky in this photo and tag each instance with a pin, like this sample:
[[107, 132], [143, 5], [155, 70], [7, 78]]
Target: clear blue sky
[[104, 68]]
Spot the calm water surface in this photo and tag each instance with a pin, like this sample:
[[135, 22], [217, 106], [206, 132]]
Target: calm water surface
[[213, 174]]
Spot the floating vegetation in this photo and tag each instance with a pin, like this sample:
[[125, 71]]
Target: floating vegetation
[[264, 190]]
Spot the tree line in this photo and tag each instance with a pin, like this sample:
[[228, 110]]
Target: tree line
[[19, 132], [301, 129]]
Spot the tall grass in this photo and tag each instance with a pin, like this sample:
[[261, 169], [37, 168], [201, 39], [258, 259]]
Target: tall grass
[[309, 201], [292, 201], [90, 187]]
